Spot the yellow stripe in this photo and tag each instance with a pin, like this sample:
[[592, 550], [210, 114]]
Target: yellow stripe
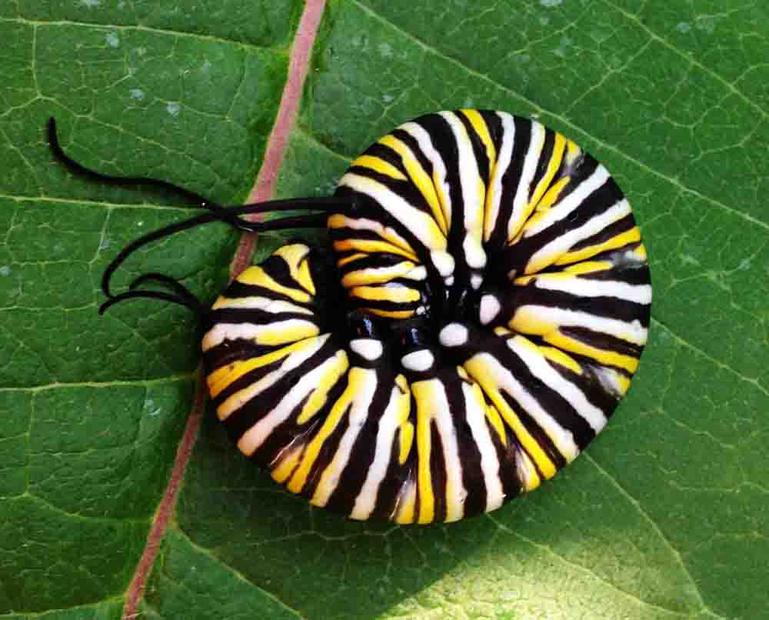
[[352, 257], [222, 377], [479, 371], [423, 397], [377, 164], [491, 414], [572, 151], [418, 177], [403, 394], [622, 381], [559, 146], [326, 382], [608, 358], [404, 513], [406, 441], [377, 275], [541, 201], [391, 314], [615, 242], [296, 257], [550, 353], [277, 334], [371, 246], [355, 224], [551, 196], [482, 130], [531, 478], [256, 276], [589, 267], [299, 479], [286, 466], [495, 420], [397, 294]]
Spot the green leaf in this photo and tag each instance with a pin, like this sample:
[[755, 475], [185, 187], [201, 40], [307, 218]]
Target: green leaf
[[91, 409], [664, 516]]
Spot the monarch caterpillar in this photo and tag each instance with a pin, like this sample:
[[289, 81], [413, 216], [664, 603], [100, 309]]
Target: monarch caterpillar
[[470, 326]]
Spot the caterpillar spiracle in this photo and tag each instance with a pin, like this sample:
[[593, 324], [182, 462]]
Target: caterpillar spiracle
[[469, 326]]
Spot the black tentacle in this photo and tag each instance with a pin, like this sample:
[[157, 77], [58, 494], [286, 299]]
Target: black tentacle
[[228, 214]]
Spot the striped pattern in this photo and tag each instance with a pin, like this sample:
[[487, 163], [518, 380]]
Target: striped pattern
[[498, 299]]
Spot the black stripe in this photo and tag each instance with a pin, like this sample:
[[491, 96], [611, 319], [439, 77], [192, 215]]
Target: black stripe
[[469, 453], [590, 386], [238, 290], [256, 316], [603, 341], [232, 351], [510, 179], [413, 145], [437, 474], [549, 400], [362, 454], [545, 156], [635, 273], [537, 433], [614, 229], [289, 432], [605, 306], [395, 480], [262, 404], [327, 450], [406, 189], [479, 149], [277, 268], [494, 125], [327, 349], [506, 453], [518, 255], [387, 154]]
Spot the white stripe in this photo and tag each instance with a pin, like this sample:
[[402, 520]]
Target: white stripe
[[387, 233], [522, 194], [444, 422], [584, 287], [476, 420], [542, 370], [561, 437], [388, 423], [561, 317], [292, 361], [570, 202], [249, 331], [422, 136], [390, 272], [255, 436], [502, 164], [469, 180], [420, 223], [551, 252], [357, 414], [273, 306]]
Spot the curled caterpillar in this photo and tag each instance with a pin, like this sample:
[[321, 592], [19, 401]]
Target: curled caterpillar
[[470, 326]]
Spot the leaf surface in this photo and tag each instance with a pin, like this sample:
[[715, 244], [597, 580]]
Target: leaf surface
[[663, 517]]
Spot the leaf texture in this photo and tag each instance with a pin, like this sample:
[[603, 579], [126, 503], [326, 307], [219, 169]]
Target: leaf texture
[[663, 517]]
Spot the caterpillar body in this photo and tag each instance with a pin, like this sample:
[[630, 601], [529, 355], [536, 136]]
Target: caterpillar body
[[478, 313]]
